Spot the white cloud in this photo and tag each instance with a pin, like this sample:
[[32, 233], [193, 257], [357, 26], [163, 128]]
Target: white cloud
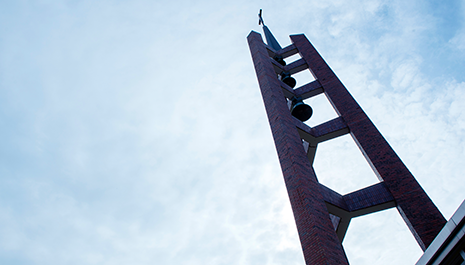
[[135, 132]]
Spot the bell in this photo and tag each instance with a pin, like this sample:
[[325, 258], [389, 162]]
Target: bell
[[300, 110], [280, 60], [288, 79]]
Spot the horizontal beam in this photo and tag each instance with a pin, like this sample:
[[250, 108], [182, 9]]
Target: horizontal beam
[[306, 91], [331, 129], [296, 66], [287, 51], [292, 68], [309, 90], [334, 198], [323, 132], [371, 199]]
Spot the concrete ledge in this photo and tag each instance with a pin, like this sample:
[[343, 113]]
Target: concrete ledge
[[446, 247]]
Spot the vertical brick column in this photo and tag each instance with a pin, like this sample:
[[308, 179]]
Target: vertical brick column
[[319, 240], [416, 208]]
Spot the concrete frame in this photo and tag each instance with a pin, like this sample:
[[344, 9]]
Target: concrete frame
[[322, 215]]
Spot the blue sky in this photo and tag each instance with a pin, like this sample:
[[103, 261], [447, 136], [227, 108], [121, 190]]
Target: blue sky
[[134, 131]]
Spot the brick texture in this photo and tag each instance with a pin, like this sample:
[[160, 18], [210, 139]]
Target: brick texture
[[368, 197], [316, 232], [416, 208]]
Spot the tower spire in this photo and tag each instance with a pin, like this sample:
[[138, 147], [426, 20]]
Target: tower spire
[[270, 39]]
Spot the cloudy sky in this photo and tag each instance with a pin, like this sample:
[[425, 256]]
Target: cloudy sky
[[133, 132]]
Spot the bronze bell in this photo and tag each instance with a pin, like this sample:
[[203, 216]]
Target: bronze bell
[[300, 110], [288, 79], [280, 60]]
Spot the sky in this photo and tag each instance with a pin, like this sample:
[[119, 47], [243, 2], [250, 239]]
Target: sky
[[134, 132]]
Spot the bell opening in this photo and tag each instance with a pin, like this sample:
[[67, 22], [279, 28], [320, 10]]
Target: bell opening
[[287, 79], [280, 60], [290, 81], [302, 111]]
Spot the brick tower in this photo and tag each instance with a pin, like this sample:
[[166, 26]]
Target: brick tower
[[322, 215]]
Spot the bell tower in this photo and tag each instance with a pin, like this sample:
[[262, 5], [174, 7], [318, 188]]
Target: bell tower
[[322, 215]]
